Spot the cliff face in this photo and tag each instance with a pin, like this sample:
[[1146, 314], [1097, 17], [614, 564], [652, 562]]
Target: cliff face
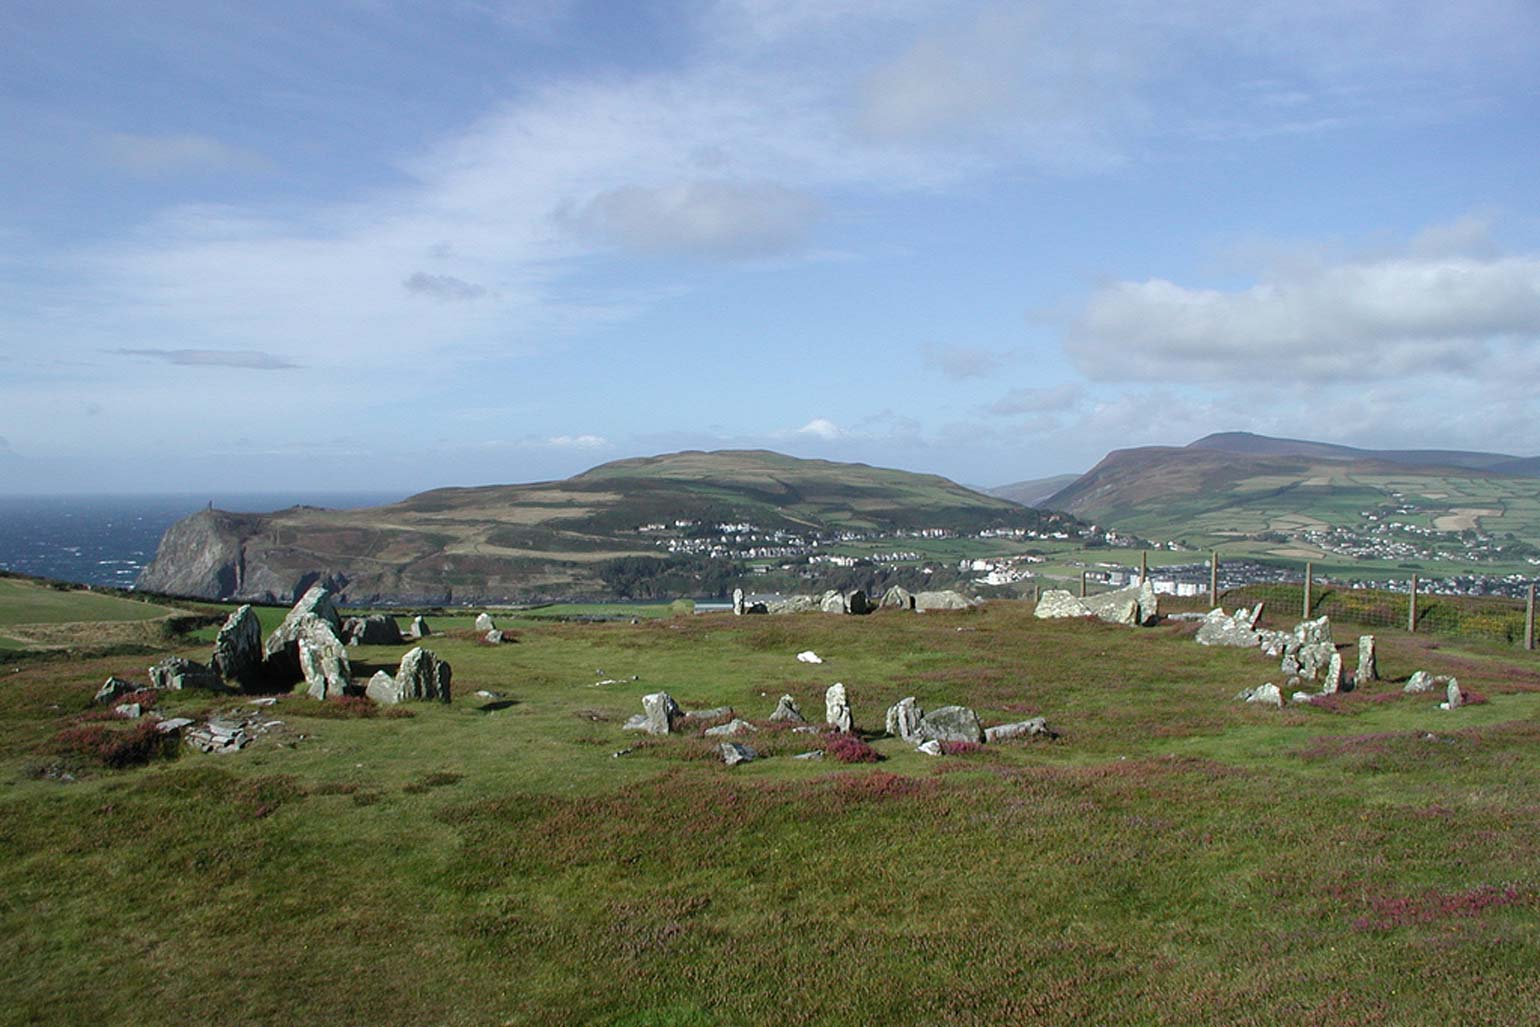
[[200, 555]]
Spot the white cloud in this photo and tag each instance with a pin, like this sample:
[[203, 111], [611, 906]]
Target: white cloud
[[820, 427], [577, 441], [156, 155], [249, 359], [705, 218], [1383, 317]]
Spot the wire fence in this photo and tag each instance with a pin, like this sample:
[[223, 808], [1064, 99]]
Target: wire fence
[[1492, 610]]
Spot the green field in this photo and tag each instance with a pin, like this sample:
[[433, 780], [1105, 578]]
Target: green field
[[1172, 858], [25, 601]]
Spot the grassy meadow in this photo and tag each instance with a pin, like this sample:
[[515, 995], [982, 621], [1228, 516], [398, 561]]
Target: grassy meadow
[[1173, 857]]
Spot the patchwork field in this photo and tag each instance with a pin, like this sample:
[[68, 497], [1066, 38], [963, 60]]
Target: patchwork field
[[1173, 857]]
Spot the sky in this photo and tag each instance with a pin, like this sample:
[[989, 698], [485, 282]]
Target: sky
[[382, 244]]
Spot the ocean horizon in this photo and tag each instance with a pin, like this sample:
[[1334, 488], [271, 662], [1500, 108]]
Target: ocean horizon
[[106, 539]]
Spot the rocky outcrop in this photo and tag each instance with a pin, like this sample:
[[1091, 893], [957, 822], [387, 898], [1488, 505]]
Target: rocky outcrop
[[200, 556]]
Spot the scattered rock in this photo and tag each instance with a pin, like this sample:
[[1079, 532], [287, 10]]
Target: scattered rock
[[734, 753], [951, 724], [484, 623], [814, 754], [837, 708], [178, 672], [930, 748], [1422, 681], [175, 724], [661, 712], [1035, 727], [1266, 695], [1368, 663], [1235, 631], [787, 709], [808, 656], [711, 714], [736, 726], [238, 648], [493, 637], [903, 720], [375, 629], [114, 687], [1301, 697], [129, 710], [805, 729], [946, 599]]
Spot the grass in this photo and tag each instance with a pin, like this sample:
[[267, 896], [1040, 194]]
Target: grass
[[1173, 858], [27, 601]]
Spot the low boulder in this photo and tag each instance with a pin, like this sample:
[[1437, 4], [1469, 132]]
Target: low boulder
[[833, 602], [1133, 606], [1422, 681], [946, 599], [793, 604], [1037, 727], [177, 672], [419, 628], [1058, 603], [808, 656], [661, 712], [1265, 695], [1236, 630], [736, 726], [734, 753], [114, 687], [951, 724], [381, 688], [897, 597], [422, 676], [375, 629], [786, 709]]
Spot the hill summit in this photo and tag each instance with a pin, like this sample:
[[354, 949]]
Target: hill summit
[[559, 539]]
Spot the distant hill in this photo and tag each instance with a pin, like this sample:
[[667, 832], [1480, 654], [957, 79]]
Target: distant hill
[[1237, 484], [553, 539], [1247, 444], [1034, 491]]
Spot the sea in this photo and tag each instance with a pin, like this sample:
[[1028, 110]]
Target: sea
[[108, 539]]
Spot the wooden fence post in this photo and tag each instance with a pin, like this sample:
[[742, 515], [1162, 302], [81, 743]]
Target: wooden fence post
[[1144, 567], [1411, 608], [1082, 584], [1213, 579], [1529, 619], [1309, 580]]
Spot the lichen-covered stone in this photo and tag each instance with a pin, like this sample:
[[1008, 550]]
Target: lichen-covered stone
[[1036, 727], [423, 676], [786, 709], [837, 708], [951, 724], [238, 648], [662, 713], [903, 719]]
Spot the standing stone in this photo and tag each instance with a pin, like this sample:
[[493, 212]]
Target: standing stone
[[1453, 697], [484, 623], [837, 708], [898, 597], [1314, 656], [419, 628], [788, 710], [833, 602], [1135, 605], [1368, 664], [422, 675], [951, 724], [1333, 674], [903, 720], [737, 602], [324, 661], [238, 647], [1313, 631], [662, 713], [858, 603], [375, 629]]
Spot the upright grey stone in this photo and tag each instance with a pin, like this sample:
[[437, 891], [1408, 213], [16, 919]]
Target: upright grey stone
[[897, 597], [382, 688], [1314, 657], [737, 602], [419, 628], [1368, 663], [318, 603], [422, 675], [1333, 674], [323, 660], [238, 647], [833, 602], [903, 720], [1453, 697], [858, 603], [375, 629], [1314, 631], [788, 710], [661, 711], [1135, 605], [837, 708], [484, 623], [951, 724]]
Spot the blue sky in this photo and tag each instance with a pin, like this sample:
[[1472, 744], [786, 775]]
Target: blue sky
[[400, 245]]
